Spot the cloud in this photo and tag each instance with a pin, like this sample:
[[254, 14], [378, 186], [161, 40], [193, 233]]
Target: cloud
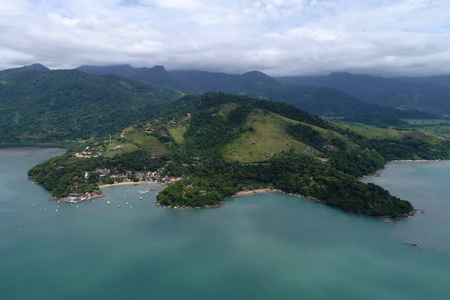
[[179, 4], [279, 37]]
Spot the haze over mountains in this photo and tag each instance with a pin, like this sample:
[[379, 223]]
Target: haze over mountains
[[427, 94]]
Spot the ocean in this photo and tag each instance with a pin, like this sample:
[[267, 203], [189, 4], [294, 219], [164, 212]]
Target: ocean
[[263, 246]]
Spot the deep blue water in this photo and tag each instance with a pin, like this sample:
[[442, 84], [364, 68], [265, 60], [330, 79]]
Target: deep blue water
[[267, 246]]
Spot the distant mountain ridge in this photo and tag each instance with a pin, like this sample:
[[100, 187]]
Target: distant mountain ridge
[[156, 76], [317, 100], [431, 94], [439, 80]]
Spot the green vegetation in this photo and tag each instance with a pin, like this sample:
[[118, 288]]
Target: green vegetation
[[115, 149], [216, 145], [264, 136], [147, 142], [437, 127], [287, 171], [376, 120], [65, 174], [54, 106], [372, 132], [177, 133]]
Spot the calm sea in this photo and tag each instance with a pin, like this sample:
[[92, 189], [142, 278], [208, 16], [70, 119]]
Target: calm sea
[[269, 246]]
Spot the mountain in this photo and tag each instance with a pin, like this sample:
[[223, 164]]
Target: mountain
[[397, 93], [199, 82], [190, 82], [156, 76], [37, 67], [38, 106], [316, 100]]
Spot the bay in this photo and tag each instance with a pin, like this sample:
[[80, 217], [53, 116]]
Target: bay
[[266, 246]]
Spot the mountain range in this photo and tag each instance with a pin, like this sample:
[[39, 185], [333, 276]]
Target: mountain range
[[316, 94], [39, 104]]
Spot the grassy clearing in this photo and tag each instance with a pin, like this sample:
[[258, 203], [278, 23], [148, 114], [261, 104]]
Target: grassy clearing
[[177, 133], [147, 142], [329, 135], [266, 138], [390, 133], [437, 127], [226, 109], [113, 150], [375, 132]]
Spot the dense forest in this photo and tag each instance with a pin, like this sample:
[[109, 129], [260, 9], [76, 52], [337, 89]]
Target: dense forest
[[47, 106], [210, 183]]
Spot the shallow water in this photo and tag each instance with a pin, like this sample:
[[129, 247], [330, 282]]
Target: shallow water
[[266, 246]]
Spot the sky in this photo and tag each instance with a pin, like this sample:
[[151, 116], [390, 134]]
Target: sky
[[277, 37]]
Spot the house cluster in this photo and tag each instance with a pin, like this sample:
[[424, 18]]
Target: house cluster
[[116, 177], [88, 152], [79, 197], [123, 133], [158, 176]]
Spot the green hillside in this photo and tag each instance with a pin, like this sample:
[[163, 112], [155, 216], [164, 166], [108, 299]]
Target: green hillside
[[44, 105], [214, 145]]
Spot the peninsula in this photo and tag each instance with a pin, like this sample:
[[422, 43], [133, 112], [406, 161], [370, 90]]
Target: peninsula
[[214, 146]]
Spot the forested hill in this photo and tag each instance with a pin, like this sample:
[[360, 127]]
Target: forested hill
[[39, 105], [218, 144]]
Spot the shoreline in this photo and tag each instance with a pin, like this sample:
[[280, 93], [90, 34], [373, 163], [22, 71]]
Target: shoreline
[[416, 160], [415, 210], [268, 190], [103, 186], [257, 191], [265, 191], [377, 172]]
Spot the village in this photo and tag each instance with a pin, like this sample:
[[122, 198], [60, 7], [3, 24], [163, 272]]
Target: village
[[106, 179]]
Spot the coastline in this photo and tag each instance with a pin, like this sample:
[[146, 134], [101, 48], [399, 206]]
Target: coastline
[[257, 191], [377, 172], [416, 160], [271, 190], [415, 210], [103, 186], [265, 191], [268, 190]]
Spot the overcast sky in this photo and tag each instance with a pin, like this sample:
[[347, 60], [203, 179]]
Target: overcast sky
[[278, 37]]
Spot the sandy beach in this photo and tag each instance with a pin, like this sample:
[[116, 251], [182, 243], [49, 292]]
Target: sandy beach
[[259, 191], [263, 191]]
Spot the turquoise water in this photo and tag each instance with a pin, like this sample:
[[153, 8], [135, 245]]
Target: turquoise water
[[268, 246]]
